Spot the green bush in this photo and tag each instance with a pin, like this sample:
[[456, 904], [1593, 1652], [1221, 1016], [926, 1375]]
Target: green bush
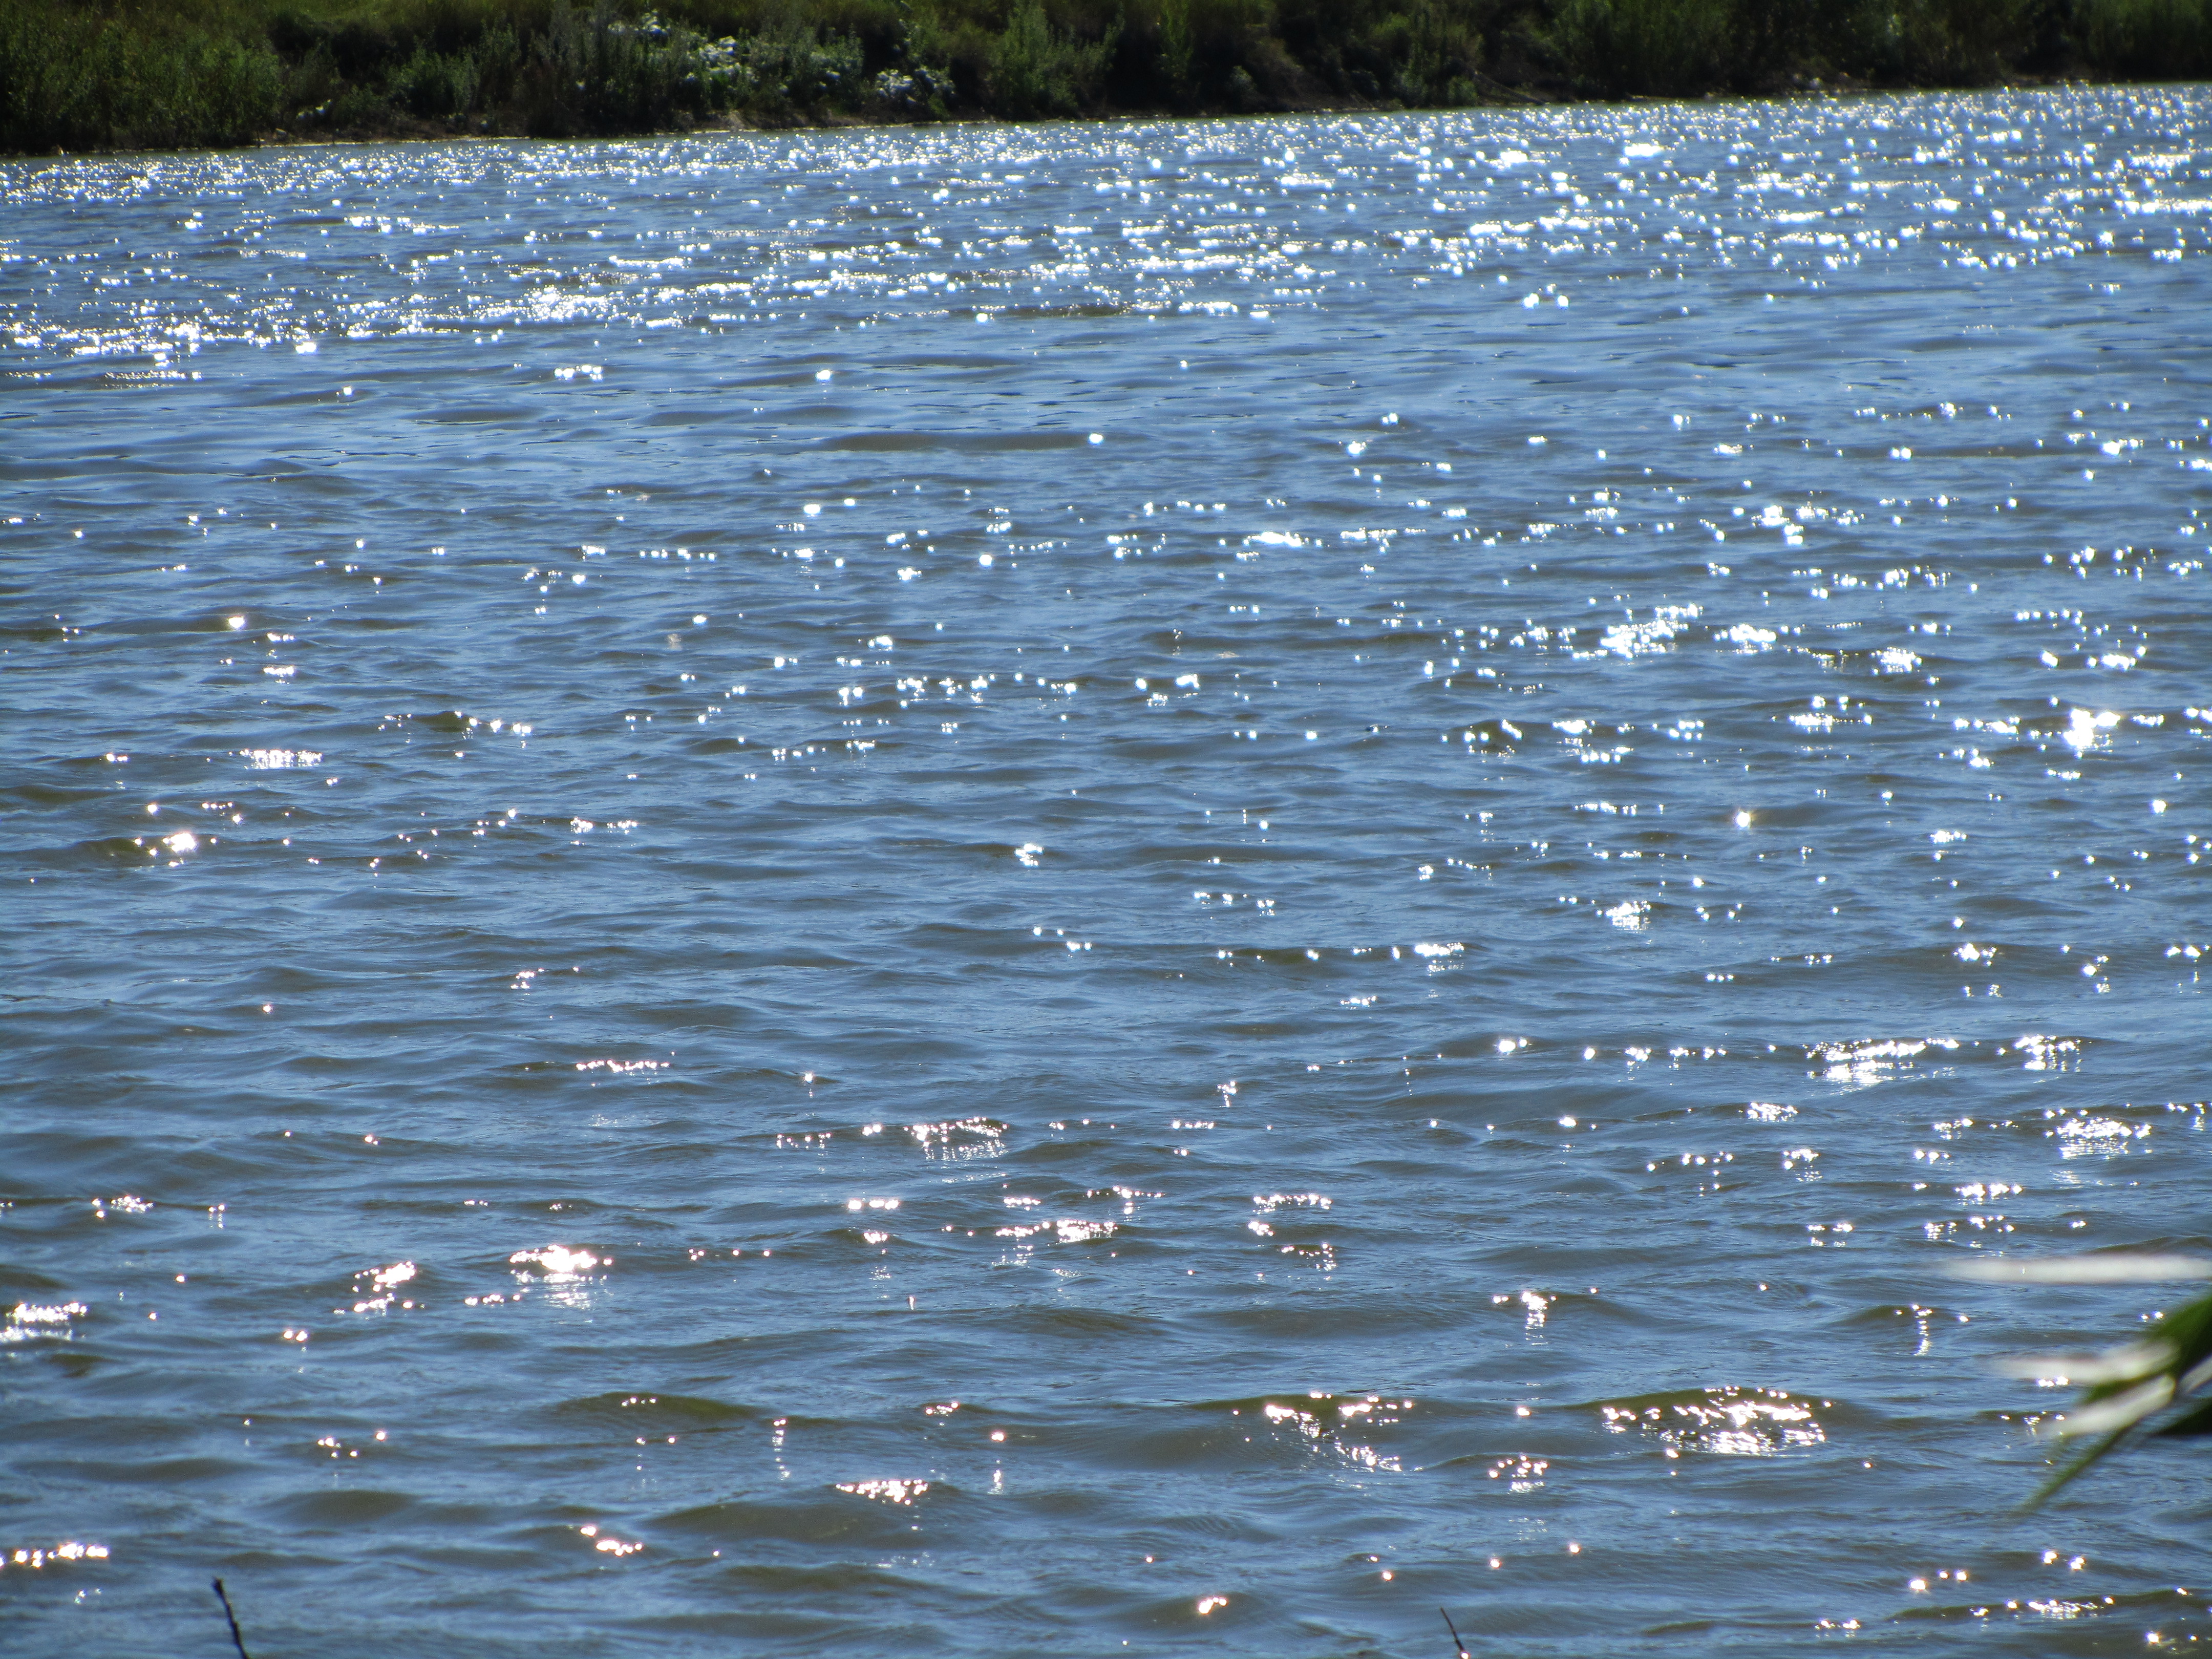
[[1176, 56], [1674, 47], [437, 87], [606, 73], [1957, 42], [1382, 51], [789, 72], [79, 79], [1038, 70], [2149, 40]]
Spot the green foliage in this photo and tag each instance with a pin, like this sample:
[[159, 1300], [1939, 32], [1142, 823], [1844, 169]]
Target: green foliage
[[1038, 70], [1682, 47], [1670, 47], [1957, 42], [1426, 48], [786, 72], [76, 79], [605, 73], [1174, 56], [2156, 1386], [86, 74], [438, 87], [2154, 40], [1382, 51]]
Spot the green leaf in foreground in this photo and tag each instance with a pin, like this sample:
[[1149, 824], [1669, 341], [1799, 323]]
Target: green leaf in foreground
[[2124, 1390]]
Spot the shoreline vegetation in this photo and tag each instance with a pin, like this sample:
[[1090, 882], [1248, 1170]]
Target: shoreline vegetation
[[104, 74]]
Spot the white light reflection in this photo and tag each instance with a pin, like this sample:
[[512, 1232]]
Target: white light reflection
[[898, 1492], [566, 1272], [36, 1559], [1726, 1422]]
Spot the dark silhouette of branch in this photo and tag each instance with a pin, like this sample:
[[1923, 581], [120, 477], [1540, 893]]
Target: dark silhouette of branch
[[236, 1640]]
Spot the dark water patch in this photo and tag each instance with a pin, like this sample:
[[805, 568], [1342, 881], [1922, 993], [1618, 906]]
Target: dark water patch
[[346, 1509], [643, 1412]]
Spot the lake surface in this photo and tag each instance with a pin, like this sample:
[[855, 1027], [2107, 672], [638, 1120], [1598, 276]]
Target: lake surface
[[1166, 888]]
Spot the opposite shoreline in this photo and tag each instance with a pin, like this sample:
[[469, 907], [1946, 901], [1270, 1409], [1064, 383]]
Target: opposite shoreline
[[109, 76], [416, 135]]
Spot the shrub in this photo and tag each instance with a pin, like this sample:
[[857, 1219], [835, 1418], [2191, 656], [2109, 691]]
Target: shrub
[[1038, 70], [2149, 40], [1674, 47], [1957, 42], [79, 79], [437, 86], [786, 73], [608, 74]]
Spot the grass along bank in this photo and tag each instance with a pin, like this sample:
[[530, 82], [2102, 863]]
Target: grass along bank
[[121, 74]]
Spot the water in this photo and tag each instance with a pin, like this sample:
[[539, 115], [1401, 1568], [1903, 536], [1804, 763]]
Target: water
[[1150, 888]]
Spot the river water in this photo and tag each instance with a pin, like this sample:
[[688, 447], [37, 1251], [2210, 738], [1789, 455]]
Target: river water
[[1156, 888]]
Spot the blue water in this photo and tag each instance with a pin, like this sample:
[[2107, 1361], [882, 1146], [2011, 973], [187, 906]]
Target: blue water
[[1156, 888]]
